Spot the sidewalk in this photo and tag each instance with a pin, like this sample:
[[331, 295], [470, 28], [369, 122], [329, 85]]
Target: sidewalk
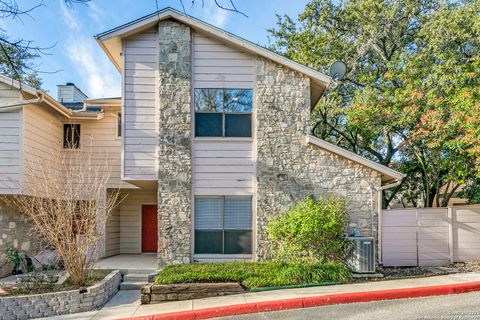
[[126, 304]]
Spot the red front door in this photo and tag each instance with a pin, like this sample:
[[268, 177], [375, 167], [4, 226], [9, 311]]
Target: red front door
[[149, 228]]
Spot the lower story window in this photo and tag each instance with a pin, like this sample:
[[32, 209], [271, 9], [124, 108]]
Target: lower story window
[[223, 225]]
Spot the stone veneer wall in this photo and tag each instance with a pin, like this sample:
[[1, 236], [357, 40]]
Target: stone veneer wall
[[175, 168], [14, 233], [289, 169], [63, 302]]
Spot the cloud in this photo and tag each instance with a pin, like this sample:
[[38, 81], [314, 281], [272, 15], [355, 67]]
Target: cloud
[[212, 14], [98, 76], [94, 13], [68, 17]]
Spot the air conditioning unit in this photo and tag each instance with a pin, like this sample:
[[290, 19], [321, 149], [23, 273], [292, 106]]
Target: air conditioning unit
[[362, 255]]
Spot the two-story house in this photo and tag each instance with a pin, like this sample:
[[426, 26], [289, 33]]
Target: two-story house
[[212, 137]]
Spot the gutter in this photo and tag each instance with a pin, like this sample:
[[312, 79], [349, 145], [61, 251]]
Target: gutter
[[379, 217], [11, 106], [55, 105], [41, 98]]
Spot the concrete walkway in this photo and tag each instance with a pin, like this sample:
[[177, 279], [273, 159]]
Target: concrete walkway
[[129, 262], [127, 304]]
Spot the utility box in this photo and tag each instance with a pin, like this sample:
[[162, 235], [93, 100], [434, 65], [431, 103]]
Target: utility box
[[362, 255]]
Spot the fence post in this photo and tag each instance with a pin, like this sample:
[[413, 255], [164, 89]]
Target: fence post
[[416, 236], [450, 232]]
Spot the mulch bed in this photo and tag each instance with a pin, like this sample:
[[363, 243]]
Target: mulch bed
[[25, 289], [391, 273]]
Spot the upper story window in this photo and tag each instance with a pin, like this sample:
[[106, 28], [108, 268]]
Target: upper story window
[[71, 136], [223, 112]]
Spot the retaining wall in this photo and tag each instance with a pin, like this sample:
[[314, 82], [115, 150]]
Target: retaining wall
[[157, 293], [62, 302]]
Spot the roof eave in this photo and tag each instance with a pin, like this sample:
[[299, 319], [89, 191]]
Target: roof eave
[[169, 13], [109, 55], [388, 174]]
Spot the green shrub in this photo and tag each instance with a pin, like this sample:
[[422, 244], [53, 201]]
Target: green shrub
[[255, 274], [312, 231]]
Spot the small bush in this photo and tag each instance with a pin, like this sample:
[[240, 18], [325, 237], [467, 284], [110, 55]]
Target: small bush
[[312, 231], [254, 274]]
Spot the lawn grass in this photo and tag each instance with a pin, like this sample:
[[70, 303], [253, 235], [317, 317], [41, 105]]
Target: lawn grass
[[255, 274]]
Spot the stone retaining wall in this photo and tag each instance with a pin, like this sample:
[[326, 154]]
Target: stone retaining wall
[[157, 293], [63, 302]]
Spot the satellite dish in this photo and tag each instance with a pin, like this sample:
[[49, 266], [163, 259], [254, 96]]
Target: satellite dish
[[338, 70]]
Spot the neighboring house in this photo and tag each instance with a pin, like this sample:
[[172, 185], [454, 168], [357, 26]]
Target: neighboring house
[[33, 125], [214, 140]]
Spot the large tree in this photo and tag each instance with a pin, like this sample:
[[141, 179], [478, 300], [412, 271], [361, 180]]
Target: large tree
[[409, 63]]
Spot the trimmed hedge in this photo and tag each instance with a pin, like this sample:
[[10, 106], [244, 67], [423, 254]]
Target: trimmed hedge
[[255, 274]]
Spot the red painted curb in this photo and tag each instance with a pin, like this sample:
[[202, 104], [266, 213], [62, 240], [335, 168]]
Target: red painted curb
[[297, 303]]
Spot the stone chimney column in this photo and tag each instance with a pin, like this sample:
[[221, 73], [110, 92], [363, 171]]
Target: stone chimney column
[[175, 159]]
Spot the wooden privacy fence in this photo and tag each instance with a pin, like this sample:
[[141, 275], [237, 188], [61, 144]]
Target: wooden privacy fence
[[430, 236]]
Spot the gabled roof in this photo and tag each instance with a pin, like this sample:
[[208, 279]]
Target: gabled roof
[[37, 96], [34, 96], [388, 174], [111, 41]]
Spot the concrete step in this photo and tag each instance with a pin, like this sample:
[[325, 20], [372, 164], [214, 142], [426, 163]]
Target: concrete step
[[137, 285], [135, 277], [137, 271]]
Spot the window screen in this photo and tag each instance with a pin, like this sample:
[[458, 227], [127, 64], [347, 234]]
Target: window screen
[[223, 112], [223, 225], [71, 136], [119, 125], [208, 213]]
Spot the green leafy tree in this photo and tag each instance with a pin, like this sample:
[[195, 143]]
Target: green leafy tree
[[471, 192], [18, 63], [408, 99]]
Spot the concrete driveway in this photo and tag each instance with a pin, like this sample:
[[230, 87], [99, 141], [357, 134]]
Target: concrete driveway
[[464, 306]]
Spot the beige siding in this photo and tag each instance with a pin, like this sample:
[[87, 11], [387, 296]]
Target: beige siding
[[42, 142], [10, 151], [10, 142], [217, 65], [101, 136], [140, 106], [223, 167], [9, 93], [131, 219], [112, 234]]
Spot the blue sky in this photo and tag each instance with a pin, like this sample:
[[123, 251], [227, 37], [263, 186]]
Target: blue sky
[[78, 58]]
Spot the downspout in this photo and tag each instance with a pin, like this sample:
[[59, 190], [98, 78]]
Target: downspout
[[379, 210]]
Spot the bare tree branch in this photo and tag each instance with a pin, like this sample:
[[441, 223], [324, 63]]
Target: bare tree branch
[[231, 8]]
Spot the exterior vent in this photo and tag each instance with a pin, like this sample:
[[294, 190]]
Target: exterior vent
[[362, 256]]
